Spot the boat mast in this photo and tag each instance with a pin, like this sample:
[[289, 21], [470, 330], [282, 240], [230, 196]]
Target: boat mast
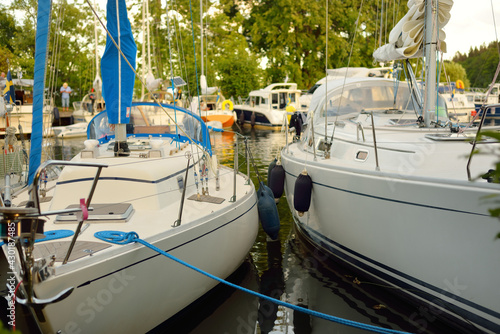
[[201, 33], [97, 80], [430, 60], [203, 80], [143, 45], [149, 44]]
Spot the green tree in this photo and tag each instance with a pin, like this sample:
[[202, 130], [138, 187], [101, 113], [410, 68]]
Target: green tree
[[451, 72], [291, 34], [480, 64], [5, 55], [70, 56], [228, 62], [7, 29]]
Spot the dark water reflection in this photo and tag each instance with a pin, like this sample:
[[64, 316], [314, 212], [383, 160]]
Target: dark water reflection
[[290, 270]]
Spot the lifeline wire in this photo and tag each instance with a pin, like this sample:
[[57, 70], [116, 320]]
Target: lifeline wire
[[123, 238]]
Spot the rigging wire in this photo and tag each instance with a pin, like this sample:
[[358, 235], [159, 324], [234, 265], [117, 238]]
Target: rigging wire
[[141, 80], [195, 64], [348, 63], [182, 60], [495, 26], [375, 37]]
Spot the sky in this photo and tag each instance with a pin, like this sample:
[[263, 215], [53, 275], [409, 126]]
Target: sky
[[471, 25]]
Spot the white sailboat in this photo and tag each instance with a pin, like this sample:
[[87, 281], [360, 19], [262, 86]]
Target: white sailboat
[[394, 193], [134, 176]]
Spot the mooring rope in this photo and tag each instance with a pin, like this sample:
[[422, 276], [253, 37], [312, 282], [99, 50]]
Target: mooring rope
[[123, 238]]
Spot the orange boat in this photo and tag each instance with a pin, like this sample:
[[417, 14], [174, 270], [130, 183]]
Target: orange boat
[[213, 109]]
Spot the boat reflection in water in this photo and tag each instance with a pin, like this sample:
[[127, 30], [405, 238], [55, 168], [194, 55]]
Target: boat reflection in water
[[292, 271], [222, 310]]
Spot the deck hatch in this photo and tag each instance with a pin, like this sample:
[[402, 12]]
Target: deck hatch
[[206, 198], [101, 213]]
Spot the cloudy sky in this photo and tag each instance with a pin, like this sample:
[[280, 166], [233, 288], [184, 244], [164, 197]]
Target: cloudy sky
[[471, 24]]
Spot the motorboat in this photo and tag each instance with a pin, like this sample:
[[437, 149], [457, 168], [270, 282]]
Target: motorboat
[[214, 108], [460, 103], [267, 108]]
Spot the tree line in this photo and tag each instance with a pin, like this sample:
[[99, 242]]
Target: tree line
[[480, 63], [247, 43]]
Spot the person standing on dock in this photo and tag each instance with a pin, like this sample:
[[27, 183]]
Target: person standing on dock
[[65, 91]]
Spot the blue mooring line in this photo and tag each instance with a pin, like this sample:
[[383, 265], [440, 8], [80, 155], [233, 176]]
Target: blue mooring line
[[123, 238]]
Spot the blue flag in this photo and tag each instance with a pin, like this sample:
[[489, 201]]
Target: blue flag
[[9, 93]]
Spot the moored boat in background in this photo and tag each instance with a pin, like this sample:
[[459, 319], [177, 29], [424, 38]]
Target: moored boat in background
[[267, 108]]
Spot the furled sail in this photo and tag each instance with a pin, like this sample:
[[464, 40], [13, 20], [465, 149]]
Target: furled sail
[[117, 76], [407, 37]]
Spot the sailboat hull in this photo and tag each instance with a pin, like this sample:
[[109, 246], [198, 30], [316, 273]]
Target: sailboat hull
[[430, 239], [141, 288], [170, 191]]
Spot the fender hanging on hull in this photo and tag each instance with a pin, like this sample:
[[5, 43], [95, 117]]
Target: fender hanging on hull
[[268, 212], [302, 193]]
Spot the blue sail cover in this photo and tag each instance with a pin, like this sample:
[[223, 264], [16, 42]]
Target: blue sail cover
[[42, 34], [118, 110]]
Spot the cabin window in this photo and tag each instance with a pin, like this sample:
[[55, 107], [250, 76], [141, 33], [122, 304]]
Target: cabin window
[[263, 100], [292, 97], [357, 98], [275, 100], [252, 101], [283, 100], [361, 155]]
